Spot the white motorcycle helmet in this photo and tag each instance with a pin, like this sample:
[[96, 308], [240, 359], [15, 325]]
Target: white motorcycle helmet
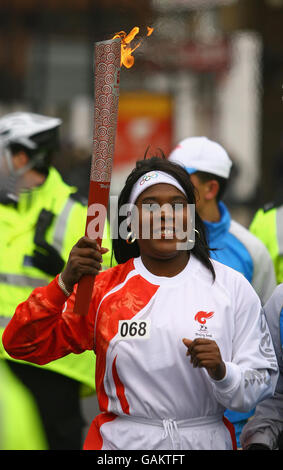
[[21, 127], [35, 133]]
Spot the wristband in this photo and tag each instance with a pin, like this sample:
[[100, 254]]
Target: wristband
[[62, 286]]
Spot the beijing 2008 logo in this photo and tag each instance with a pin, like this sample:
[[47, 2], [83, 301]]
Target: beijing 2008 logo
[[147, 177], [202, 317]]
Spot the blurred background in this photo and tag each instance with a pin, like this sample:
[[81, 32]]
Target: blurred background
[[211, 67]]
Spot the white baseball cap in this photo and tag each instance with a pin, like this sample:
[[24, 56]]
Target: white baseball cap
[[202, 154]]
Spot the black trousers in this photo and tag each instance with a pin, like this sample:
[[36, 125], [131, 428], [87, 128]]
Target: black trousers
[[58, 401]]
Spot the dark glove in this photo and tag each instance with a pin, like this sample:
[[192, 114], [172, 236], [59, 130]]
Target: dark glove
[[257, 447], [45, 256]]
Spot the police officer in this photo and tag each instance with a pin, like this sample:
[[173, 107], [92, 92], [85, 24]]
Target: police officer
[[41, 218], [267, 225]]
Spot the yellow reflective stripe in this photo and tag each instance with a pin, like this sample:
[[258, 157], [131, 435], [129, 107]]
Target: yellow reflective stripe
[[19, 280], [279, 230]]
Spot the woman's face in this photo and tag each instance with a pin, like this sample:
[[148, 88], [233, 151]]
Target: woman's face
[[163, 225]]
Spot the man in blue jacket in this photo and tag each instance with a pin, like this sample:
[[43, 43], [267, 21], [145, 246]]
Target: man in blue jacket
[[209, 167]]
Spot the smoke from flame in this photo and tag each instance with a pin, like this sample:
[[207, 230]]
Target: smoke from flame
[[127, 59]]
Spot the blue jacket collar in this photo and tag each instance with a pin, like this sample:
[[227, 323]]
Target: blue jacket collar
[[215, 230]]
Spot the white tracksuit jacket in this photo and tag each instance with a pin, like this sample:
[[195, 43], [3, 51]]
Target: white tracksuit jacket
[[150, 395]]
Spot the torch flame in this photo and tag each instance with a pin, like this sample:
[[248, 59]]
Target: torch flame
[[127, 59]]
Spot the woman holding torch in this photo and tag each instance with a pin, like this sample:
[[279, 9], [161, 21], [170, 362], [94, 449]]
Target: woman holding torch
[[178, 337]]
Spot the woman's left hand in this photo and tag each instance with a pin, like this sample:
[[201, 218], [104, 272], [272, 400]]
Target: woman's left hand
[[205, 353]]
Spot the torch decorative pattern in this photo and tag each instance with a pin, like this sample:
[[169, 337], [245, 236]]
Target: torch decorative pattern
[[106, 99], [107, 78]]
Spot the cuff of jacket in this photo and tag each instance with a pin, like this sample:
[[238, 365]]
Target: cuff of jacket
[[231, 378], [54, 293]]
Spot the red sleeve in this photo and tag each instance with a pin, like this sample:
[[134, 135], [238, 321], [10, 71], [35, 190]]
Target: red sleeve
[[44, 327]]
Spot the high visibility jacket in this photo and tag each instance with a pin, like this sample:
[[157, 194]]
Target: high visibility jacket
[[18, 276], [20, 427], [267, 225]]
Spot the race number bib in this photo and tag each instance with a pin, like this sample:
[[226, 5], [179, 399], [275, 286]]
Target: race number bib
[[134, 329]]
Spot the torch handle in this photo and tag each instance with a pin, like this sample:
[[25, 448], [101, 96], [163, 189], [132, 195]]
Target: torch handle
[[83, 296], [98, 195]]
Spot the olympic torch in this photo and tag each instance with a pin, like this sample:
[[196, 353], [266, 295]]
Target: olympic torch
[[107, 60], [108, 57]]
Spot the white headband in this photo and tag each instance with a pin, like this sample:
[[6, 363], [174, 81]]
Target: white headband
[[151, 178]]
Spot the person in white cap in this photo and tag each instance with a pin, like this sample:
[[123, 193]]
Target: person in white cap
[[209, 167], [178, 337]]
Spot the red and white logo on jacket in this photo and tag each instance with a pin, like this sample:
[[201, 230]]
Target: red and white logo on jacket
[[201, 317]]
